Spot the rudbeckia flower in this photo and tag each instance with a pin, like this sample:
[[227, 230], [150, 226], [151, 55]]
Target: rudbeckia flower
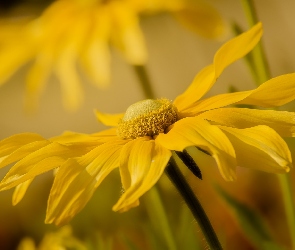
[[72, 33], [144, 138]]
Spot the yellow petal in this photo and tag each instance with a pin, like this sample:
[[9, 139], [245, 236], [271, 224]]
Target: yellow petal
[[37, 162], [198, 132], [20, 191], [76, 180], [127, 35], [202, 19], [96, 56], [10, 144], [282, 122], [226, 55], [108, 119], [14, 57], [274, 92], [140, 170], [22, 152], [260, 148]]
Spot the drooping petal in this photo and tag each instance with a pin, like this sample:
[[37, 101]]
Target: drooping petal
[[77, 179], [198, 132], [108, 119], [226, 55], [140, 170], [282, 122], [260, 148], [20, 191]]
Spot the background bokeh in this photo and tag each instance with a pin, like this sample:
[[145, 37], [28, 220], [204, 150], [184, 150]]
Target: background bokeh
[[175, 56]]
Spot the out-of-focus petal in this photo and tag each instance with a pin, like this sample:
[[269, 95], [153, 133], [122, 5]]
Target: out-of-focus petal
[[96, 56], [201, 18], [128, 36], [198, 132], [140, 170], [260, 148], [77, 179], [282, 122], [231, 51]]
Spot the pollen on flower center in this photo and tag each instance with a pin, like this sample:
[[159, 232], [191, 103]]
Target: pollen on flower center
[[147, 118]]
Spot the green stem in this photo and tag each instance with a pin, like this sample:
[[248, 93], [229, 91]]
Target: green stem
[[158, 216], [263, 74], [145, 82], [193, 203], [155, 206], [260, 64], [284, 181]]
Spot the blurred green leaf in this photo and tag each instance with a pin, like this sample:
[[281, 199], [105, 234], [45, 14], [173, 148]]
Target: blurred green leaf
[[250, 222]]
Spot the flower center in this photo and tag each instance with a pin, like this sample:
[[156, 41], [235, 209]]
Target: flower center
[[147, 118]]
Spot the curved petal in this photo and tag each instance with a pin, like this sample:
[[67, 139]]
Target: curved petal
[[108, 119], [77, 179], [226, 55], [260, 148], [282, 122], [274, 92], [140, 170], [198, 132]]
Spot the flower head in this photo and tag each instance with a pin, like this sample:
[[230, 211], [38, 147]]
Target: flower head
[[143, 139], [72, 32]]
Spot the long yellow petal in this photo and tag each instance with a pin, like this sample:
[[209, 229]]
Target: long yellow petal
[[77, 179], [274, 92], [198, 132], [226, 55], [282, 122], [143, 166], [260, 148], [10, 144], [37, 162], [108, 119]]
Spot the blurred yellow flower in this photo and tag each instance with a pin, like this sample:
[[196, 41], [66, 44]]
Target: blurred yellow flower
[[62, 239], [75, 31], [144, 138]]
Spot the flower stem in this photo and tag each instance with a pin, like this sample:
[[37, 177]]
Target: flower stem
[[260, 64], [193, 203], [144, 80], [263, 74], [157, 214], [155, 206]]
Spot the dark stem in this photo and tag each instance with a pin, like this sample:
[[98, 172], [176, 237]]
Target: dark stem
[[193, 203], [144, 81]]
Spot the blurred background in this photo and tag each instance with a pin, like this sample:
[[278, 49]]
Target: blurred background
[[175, 55]]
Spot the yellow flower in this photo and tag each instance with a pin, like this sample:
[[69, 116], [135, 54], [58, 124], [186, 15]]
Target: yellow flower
[[146, 136], [62, 239], [72, 32]]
